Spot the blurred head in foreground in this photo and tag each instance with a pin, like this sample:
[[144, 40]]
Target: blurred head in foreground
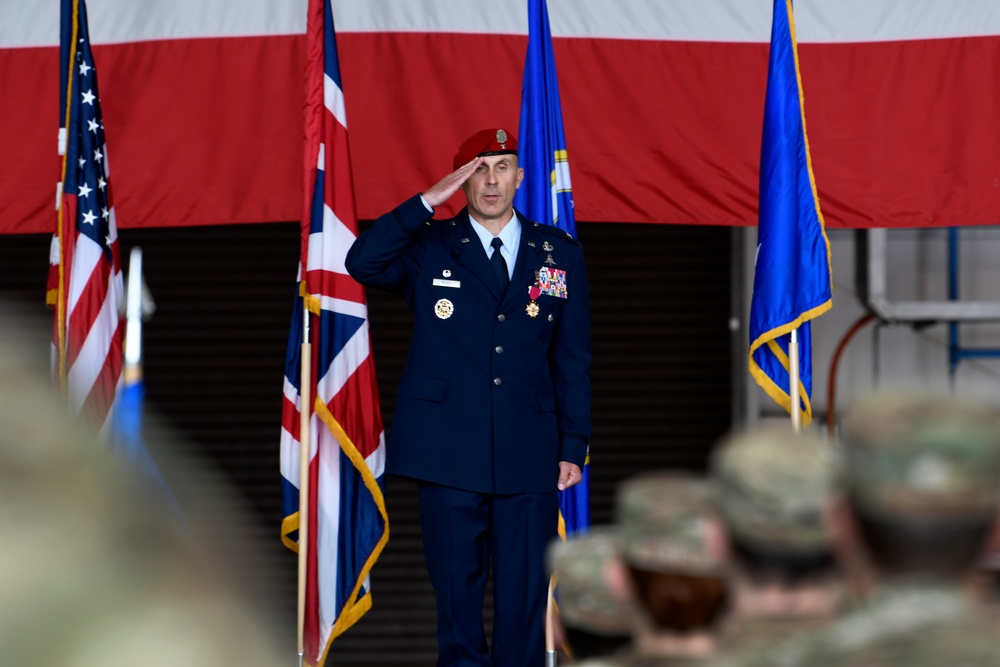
[[94, 572], [673, 549], [923, 477], [775, 490], [596, 620], [924, 483]]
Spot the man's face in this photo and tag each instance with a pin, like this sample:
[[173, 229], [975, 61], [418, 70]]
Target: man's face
[[490, 189]]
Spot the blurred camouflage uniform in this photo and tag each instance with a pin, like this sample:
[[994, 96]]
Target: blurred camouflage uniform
[[597, 623], [774, 488], [910, 461], [916, 626], [662, 517], [94, 572], [668, 528]]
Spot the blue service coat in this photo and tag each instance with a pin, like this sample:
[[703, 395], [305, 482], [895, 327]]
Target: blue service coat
[[490, 399]]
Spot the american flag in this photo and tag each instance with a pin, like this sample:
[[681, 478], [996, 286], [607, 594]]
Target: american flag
[[348, 525], [85, 277]]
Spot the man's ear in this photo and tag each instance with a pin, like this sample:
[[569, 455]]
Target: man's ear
[[993, 545], [839, 524], [849, 548], [716, 539], [520, 177], [617, 580]]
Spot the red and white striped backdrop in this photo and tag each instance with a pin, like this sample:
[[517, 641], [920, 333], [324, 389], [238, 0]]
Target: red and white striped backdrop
[[663, 104]]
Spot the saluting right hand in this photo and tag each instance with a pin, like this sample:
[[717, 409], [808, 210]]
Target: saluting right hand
[[447, 186]]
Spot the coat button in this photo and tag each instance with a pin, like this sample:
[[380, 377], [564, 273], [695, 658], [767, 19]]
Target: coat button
[[497, 381], [501, 317], [499, 349]]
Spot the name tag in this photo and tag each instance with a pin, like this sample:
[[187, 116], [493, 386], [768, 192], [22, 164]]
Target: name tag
[[439, 282]]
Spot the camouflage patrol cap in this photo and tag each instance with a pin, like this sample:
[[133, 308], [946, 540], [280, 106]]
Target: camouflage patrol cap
[[923, 457], [585, 597], [772, 486], [664, 518]]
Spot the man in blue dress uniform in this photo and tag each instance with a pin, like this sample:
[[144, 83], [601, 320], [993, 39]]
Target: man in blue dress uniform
[[493, 408]]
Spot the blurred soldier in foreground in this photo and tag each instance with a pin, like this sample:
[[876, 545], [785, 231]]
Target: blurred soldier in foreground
[[673, 549], [924, 479], [596, 621], [775, 491], [94, 573]]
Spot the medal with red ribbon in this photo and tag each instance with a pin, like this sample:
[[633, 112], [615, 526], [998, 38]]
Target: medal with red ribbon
[[532, 308]]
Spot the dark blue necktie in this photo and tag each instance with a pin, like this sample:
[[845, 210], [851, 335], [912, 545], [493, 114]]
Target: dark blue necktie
[[499, 265]]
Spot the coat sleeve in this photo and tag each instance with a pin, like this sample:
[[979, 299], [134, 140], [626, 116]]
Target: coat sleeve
[[379, 257], [570, 363]]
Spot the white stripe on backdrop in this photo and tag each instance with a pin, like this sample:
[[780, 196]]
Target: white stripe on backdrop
[[25, 24]]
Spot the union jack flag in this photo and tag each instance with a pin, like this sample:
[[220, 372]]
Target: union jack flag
[[347, 521], [85, 276]]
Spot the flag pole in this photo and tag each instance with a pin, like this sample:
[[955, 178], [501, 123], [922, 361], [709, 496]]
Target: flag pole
[[133, 319], [793, 381], [550, 643], [304, 414]]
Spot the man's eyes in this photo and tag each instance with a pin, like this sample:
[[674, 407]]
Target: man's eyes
[[499, 167]]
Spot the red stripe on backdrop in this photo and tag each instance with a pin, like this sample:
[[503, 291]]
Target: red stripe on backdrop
[[914, 141], [902, 133], [209, 131], [199, 131], [210, 144], [407, 122], [31, 113]]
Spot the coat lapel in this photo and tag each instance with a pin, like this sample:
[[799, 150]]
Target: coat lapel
[[469, 251], [528, 261]]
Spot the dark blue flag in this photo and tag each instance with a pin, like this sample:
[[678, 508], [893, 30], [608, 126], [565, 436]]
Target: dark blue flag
[[129, 445], [792, 282], [546, 194]]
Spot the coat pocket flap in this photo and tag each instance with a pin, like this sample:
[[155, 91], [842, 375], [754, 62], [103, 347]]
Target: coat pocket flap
[[422, 386]]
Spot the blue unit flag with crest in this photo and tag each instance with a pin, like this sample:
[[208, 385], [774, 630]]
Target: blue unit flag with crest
[[546, 195], [792, 280]]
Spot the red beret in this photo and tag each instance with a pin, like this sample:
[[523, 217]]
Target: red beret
[[491, 141]]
